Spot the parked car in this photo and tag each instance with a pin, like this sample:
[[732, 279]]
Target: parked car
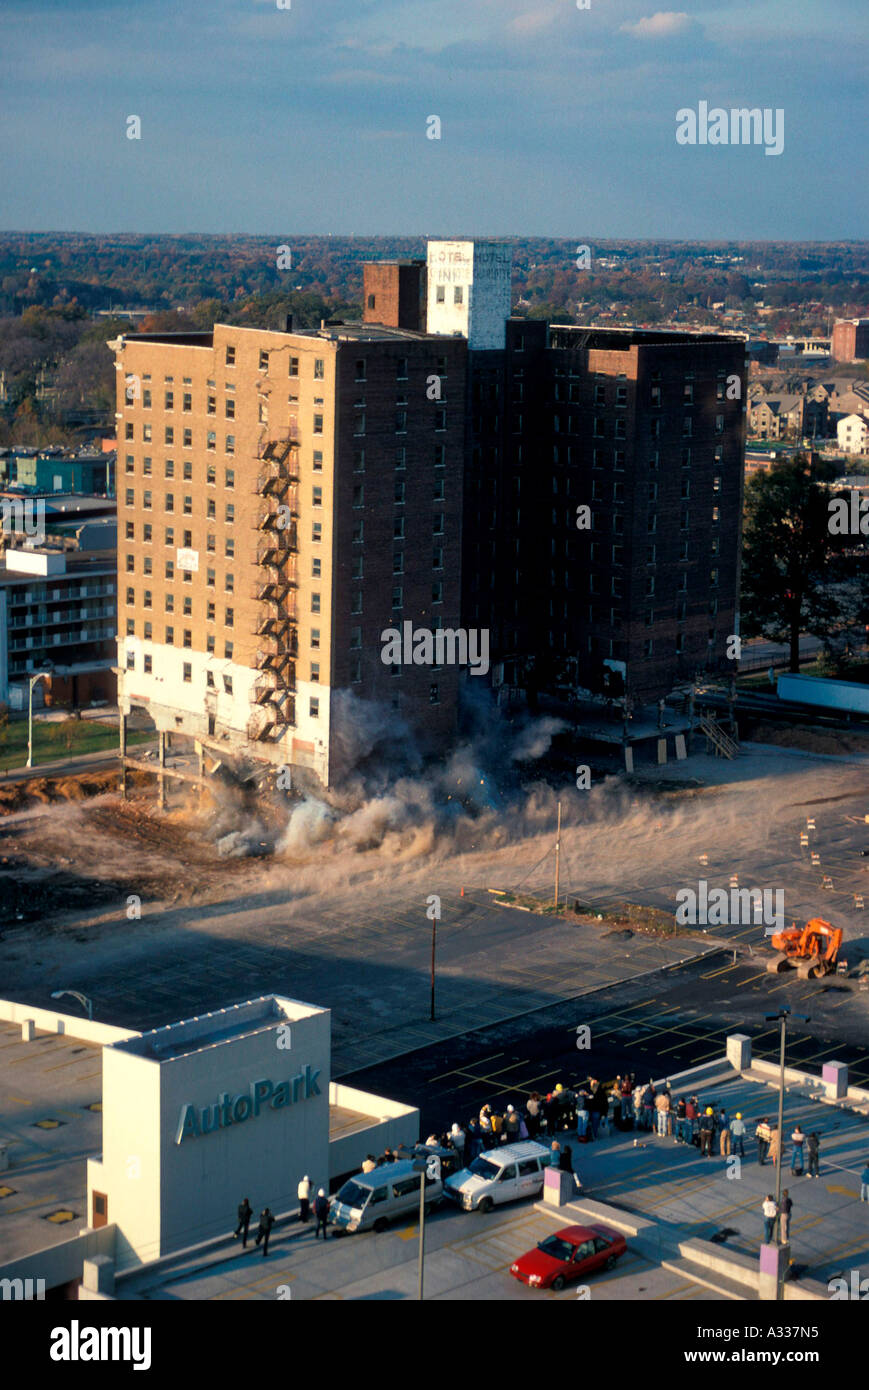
[[500, 1175], [570, 1254], [369, 1201]]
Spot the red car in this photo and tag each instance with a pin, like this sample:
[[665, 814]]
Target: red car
[[570, 1254]]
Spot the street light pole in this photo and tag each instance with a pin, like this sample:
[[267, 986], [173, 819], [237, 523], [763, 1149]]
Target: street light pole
[[781, 1017], [82, 999], [33, 680]]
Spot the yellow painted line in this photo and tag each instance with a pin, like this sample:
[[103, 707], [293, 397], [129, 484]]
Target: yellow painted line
[[721, 971], [409, 1233], [843, 1191], [671, 1293], [454, 1072], [7, 1211], [743, 983], [18, 1100]]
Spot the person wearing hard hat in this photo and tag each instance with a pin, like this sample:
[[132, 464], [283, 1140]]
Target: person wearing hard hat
[[321, 1211], [737, 1130], [707, 1131]]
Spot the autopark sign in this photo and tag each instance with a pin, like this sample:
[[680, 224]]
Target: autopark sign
[[227, 1110]]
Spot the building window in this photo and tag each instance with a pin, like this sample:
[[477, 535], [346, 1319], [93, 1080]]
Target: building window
[[229, 583], [211, 440], [399, 491], [227, 650], [437, 591], [314, 707], [229, 477], [169, 603], [458, 294], [229, 547], [441, 418], [438, 524], [228, 617], [294, 366], [440, 294], [229, 407], [188, 506], [401, 369], [187, 470], [397, 596], [315, 638], [209, 678], [317, 531], [318, 461], [227, 684], [315, 603], [229, 444], [229, 515], [317, 497], [315, 670], [315, 567], [359, 495], [211, 508], [188, 439], [433, 697], [319, 368]]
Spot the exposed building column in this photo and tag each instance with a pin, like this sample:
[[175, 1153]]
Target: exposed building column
[[123, 751], [161, 774]]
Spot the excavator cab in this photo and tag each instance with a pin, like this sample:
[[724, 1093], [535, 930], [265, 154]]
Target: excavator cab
[[813, 949]]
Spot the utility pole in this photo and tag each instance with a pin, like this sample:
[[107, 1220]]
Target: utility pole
[[434, 928], [557, 853]]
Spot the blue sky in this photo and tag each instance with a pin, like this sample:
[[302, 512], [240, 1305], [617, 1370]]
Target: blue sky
[[556, 121]]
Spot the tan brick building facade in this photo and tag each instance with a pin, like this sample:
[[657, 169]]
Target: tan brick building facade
[[270, 486]]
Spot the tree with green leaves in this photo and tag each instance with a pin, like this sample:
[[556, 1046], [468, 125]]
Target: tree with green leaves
[[796, 573]]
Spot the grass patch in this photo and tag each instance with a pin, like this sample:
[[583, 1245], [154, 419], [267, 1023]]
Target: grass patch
[[57, 739], [648, 921]]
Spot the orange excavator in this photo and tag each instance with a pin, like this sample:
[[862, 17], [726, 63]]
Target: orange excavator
[[813, 949]]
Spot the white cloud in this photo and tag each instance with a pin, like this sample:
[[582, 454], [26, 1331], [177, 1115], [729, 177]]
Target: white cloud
[[661, 25]]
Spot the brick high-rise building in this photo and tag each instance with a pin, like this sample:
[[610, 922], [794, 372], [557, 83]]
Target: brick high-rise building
[[850, 340], [283, 498]]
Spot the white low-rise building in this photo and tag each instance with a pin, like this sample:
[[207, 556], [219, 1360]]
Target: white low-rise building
[[853, 434]]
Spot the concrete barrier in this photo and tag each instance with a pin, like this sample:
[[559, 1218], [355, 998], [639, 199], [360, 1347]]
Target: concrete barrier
[[50, 1021]]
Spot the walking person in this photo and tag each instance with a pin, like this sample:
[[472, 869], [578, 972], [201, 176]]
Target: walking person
[[321, 1212], [304, 1195], [763, 1135], [245, 1212], [814, 1146], [769, 1214], [737, 1129], [648, 1106], [785, 1210], [681, 1108], [264, 1230], [798, 1139], [864, 1183]]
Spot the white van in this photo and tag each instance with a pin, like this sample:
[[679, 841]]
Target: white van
[[500, 1175], [369, 1201]]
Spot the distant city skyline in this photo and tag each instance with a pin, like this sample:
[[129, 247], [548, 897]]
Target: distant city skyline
[[554, 120]]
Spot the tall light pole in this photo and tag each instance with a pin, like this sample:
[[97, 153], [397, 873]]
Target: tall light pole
[[781, 1017], [33, 679], [431, 1168]]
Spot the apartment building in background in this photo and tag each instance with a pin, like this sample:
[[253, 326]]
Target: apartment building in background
[[58, 605], [283, 499]]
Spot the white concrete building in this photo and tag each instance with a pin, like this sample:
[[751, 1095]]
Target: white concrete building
[[468, 290]]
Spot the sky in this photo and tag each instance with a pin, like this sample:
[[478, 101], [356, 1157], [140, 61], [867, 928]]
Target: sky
[[315, 118]]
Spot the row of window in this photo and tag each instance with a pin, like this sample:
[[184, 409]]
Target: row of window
[[186, 440], [169, 538], [169, 470], [169, 640], [186, 504], [600, 490]]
